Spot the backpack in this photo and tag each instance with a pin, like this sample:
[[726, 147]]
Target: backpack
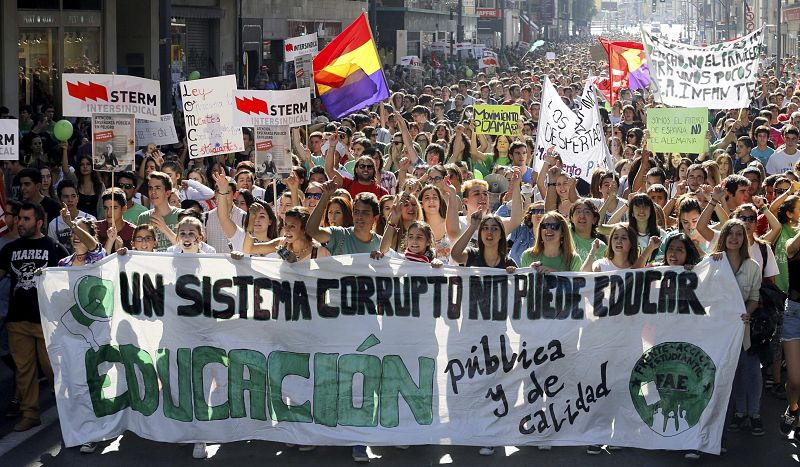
[[764, 321]]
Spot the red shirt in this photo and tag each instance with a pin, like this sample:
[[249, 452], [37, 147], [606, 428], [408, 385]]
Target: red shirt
[[354, 188], [125, 232]]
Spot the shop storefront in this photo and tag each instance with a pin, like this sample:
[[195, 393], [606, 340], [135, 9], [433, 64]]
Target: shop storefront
[[52, 42]]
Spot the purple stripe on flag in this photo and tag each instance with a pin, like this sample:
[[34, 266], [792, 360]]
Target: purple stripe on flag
[[359, 90], [639, 78]]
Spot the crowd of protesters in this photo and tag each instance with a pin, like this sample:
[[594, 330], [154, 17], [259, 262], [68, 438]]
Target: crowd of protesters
[[408, 178]]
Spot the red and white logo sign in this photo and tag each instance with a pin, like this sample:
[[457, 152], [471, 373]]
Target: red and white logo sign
[[263, 145], [251, 105], [488, 13], [302, 45], [84, 94]]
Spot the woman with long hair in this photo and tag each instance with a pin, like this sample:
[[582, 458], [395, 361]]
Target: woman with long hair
[[622, 252], [441, 135], [615, 147], [295, 245], [732, 246], [405, 210], [553, 250], [90, 187], [499, 156], [338, 213], [584, 221], [492, 250], [725, 165], [680, 250], [434, 212], [260, 222]]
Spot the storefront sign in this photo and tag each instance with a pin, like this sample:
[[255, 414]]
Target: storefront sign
[[488, 13], [87, 94], [9, 139], [113, 142], [159, 133], [273, 151], [272, 108], [302, 45], [208, 112], [193, 347]]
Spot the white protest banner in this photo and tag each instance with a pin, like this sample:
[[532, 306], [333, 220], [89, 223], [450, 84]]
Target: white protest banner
[[84, 94], [113, 142], [301, 45], [304, 72], [9, 139], [411, 61], [268, 108], [720, 76], [158, 133], [577, 136], [550, 56], [185, 348], [209, 116], [273, 151]]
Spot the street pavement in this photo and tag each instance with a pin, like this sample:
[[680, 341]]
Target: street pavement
[[43, 447]]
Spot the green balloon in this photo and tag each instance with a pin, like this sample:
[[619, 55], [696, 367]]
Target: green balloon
[[469, 73], [62, 130], [194, 75]]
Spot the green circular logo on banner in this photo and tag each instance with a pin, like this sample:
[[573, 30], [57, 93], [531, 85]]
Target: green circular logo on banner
[[671, 385], [94, 300]]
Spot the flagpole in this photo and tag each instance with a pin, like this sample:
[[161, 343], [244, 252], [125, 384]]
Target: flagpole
[[375, 47]]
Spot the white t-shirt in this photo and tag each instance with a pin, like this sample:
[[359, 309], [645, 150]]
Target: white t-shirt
[[204, 248], [772, 266], [604, 265], [780, 162]]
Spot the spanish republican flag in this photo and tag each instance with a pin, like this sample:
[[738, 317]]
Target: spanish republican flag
[[348, 71]]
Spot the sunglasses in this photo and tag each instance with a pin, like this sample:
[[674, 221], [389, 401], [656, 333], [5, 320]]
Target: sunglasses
[[314, 195], [780, 191], [126, 186], [747, 219], [397, 143], [538, 212], [551, 225], [365, 166]]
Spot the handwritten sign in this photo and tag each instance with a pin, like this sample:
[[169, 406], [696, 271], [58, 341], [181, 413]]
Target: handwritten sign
[[159, 133], [208, 113], [9, 140], [577, 136], [677, 130], [113, 142], [720, 76], [497, 119]]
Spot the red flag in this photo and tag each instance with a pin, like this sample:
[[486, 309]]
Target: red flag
[[617, 64]]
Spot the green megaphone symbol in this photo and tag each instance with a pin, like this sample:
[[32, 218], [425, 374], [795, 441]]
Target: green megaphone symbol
[[94, 300]]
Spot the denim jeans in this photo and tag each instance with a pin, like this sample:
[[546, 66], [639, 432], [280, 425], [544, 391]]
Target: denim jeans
[[747, 385]]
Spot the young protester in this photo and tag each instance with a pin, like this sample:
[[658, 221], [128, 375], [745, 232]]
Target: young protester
[[162, 216], [59, 229], [553, 250]]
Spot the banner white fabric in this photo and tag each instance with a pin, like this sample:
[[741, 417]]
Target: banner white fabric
[[301, 45], [349, 350], [86, 94], [272, 108], [9, 139], [209, 116], [719, 76], [577, 135]]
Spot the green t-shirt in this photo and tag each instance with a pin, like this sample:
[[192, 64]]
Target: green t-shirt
[[132, 214], [556, 263], [171, 219], [782, 279], [583, 247], [344, 242], [488, 163]]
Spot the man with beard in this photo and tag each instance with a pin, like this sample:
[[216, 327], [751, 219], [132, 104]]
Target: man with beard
[[365, 180], [19, 259]]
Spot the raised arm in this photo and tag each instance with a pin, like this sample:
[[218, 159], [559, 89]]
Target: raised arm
[[196, 190], [705, 217], [302, 150], [313, 229], [223, 205], [515, 220], [332, 160], [86, 238], [457, 251]]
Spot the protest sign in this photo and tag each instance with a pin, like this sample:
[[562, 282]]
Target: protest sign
[[677, 130], [185, 348], [550, 56], [304, 72], [577, 136], [411, 61], [84, 94], [720, 76], [272, 108], [273, 151], [487, 62], [209, 116], [301, 45], [159, 133], [113, 142], [497, 119], [9, 139]]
